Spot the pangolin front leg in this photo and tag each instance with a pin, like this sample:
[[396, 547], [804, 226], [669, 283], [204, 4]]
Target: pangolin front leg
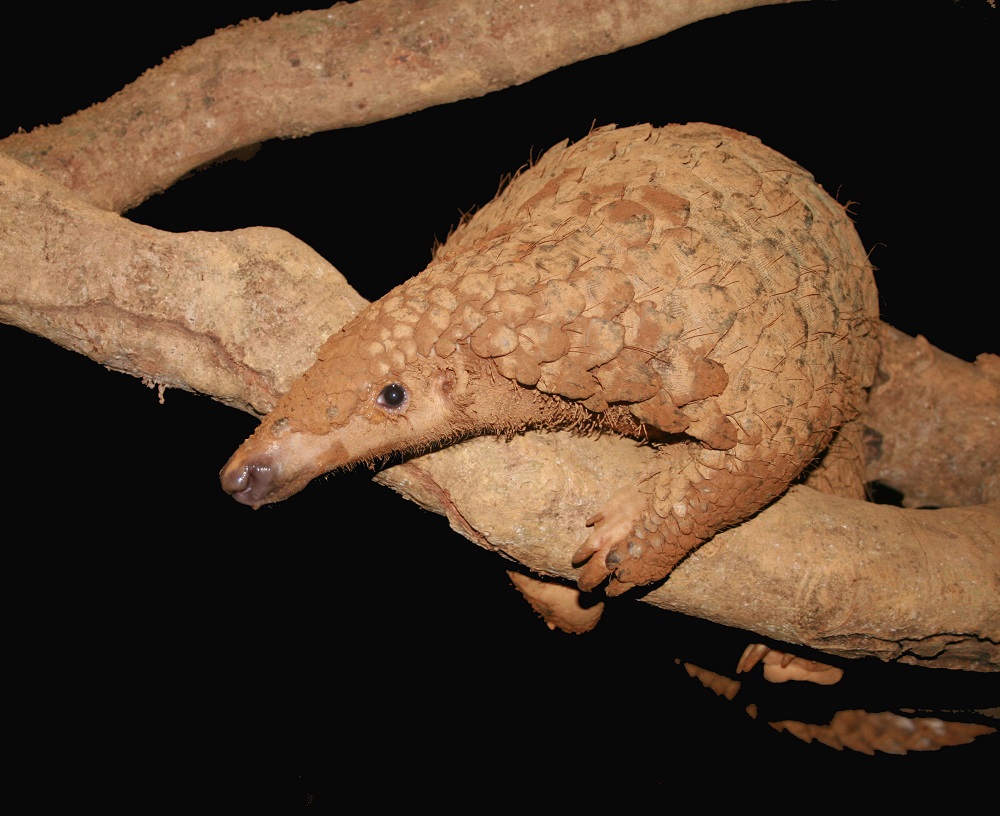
[[645, 529]]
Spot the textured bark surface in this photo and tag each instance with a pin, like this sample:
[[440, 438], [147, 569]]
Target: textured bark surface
[[920, 387], [259, 574], [344, 66], [231, 314], [839, 575]]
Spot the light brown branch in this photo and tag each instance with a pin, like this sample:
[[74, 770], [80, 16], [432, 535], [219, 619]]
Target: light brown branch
[[934, 424], [842, 576], [206, 312], [321, 70]]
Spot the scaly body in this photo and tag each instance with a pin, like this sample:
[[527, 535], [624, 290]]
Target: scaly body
[[685, 286]]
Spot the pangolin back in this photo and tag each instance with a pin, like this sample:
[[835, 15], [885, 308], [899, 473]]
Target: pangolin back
[[688, 271]]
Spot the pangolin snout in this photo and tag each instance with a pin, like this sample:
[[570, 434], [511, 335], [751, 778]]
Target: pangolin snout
[[248, 481]]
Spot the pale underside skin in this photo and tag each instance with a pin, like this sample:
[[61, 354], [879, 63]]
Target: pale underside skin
[[684, 286]]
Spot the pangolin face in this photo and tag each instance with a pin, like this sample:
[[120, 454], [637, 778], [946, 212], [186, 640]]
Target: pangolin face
[[348, 408]]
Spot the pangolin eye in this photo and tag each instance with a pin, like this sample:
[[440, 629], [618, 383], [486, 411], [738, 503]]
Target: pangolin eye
[[392, 396]]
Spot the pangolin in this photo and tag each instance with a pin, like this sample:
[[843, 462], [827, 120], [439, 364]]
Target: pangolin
[[685, 286]]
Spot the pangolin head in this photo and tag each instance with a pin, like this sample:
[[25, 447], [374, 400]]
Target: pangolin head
[[368, 396]]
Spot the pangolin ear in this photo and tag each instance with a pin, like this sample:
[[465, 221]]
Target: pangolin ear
[[448, 379], [457, 384]]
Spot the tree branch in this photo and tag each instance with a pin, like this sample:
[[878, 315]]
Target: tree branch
[[312, 71], [206, 312]]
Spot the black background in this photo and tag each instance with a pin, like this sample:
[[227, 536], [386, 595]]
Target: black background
[[168, 640]]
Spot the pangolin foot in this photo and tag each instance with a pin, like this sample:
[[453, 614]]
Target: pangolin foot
[[622, 551]]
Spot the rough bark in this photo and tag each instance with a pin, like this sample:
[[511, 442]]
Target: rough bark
[[298, 74], [64, 258], [207, 312], [914, 445], [842, 576]]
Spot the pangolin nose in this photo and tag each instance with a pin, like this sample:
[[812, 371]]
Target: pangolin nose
[[248, 482]]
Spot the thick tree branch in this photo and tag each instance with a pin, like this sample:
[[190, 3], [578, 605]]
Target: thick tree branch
[[206, 312], [320, 70], [934, 422], [842, 576]]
